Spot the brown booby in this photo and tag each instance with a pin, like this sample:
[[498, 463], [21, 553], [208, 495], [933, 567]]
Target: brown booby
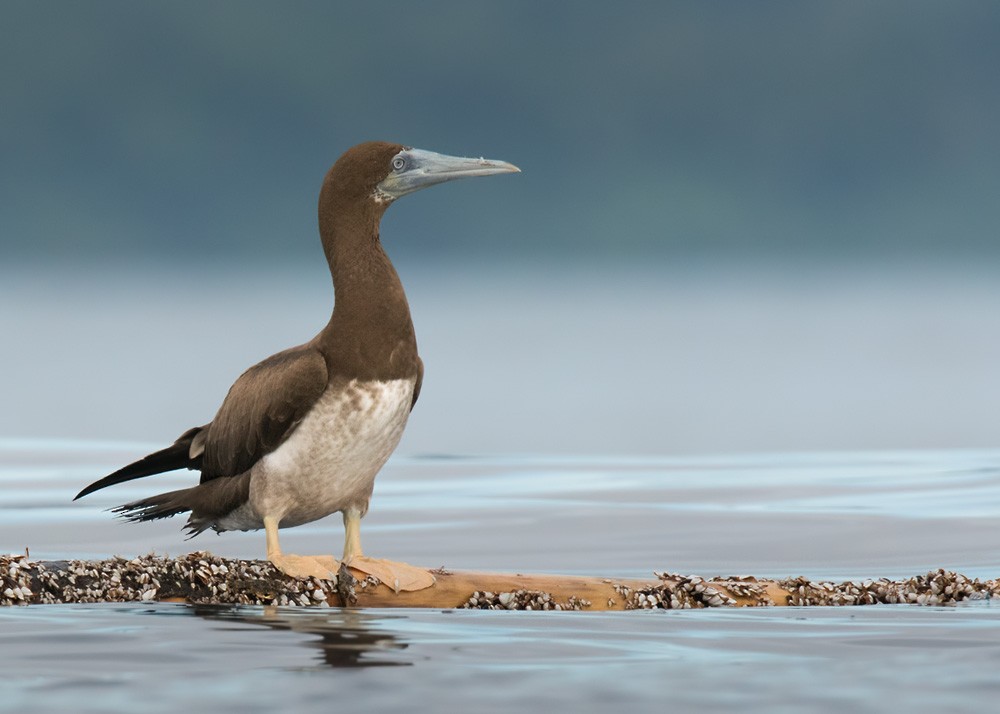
[[302, 434]]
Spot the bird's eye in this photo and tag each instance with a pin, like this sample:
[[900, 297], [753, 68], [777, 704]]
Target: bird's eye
[[399, 163]]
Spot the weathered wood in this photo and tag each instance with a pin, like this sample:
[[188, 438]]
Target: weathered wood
[[204, 578], [519, 591]]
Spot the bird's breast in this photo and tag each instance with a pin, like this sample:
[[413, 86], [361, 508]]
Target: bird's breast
[[329, 462]]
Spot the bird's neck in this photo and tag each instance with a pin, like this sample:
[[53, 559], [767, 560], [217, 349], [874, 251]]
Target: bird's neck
[[370, 333], [366, 285]]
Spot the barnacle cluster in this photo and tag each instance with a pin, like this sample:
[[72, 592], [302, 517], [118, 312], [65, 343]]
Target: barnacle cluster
[[521, 600], [685, 592], [938, 587], [197, 578], [204, 578]]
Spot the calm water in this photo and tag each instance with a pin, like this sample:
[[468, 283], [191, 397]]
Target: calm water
[[821, 515], [637, 361], [628, 363]]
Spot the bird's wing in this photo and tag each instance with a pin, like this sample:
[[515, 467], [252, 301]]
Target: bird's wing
[[420, 381], [182, 454], [261, 410]]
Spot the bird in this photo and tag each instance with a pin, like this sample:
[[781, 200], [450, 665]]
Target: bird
[[302, 434]]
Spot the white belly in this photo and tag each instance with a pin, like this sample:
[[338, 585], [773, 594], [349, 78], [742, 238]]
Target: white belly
[[329, 462]]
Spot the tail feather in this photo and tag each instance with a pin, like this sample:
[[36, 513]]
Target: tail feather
[[176, 456], [208, 502], [154, 508]]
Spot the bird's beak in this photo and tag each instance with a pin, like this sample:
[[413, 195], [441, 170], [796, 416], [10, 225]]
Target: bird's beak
[[414, 169]]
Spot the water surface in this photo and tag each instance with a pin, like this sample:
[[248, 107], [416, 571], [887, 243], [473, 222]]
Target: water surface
[[822, 515]]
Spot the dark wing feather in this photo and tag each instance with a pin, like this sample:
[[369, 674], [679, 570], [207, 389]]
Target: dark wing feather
[[420, 381], [261, 410], [179, 455]]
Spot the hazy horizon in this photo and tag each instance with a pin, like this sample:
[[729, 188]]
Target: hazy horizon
[[766, 226], [661, 132]]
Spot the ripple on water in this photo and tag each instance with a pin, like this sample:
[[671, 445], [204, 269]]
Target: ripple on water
[[173, 656], [820, 515]]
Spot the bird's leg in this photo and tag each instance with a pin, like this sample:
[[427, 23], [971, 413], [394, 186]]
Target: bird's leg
[[323, 567], [398, 576], [352, 534]]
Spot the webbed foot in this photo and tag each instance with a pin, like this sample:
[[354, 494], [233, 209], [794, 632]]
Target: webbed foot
[[322, 567], [398, 576]]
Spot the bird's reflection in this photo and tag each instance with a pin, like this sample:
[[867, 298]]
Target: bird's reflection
[[347, 638]]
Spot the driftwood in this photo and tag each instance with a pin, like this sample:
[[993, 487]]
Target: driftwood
[[207, 579]]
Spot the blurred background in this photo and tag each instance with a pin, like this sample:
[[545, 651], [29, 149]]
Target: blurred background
[[764, 226]]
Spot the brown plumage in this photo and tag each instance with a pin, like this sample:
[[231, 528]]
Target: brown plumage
[[345, 387]]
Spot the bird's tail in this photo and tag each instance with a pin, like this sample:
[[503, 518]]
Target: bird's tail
[[163, 505], [208, 503]]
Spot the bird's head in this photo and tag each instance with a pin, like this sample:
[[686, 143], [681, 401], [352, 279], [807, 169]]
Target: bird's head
[[380, 172]]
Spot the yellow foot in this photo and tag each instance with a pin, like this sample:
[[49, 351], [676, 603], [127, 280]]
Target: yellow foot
[[323, 567], [398, 576]]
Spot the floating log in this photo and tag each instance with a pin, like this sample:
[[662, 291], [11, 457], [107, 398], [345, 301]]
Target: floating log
[[204, 578]]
